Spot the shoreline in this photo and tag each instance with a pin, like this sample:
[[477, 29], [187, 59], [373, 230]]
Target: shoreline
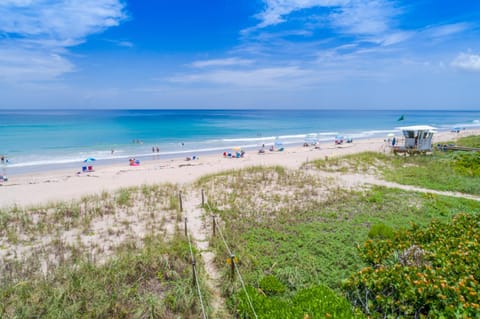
[[64, 185]]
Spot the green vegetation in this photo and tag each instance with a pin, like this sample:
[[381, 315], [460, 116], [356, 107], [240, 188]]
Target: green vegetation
[[430, 272], [380, 231], [315, 302], [296, 235], [100, 257], [468, 141], [305, 233], [441, 171], [445, 171], [151, 282]]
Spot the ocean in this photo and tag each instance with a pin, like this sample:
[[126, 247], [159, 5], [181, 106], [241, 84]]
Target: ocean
[[36, 140]]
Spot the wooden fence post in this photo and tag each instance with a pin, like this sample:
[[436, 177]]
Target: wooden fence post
[[185, 226], [232, 266], [214, 225], [180, 201], [193, 272], [203, 198]]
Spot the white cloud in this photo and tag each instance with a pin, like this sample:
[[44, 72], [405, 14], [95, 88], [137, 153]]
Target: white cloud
[[348, 16], [396, 37], [61, 20], [221, 62], [120, 43], [446, 30], [364, 17], [469, 62], [276, 10], [18, 65], [126, 44], [263, 77], [40, 31]]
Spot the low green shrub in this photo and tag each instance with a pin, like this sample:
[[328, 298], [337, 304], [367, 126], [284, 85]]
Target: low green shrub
[[315, 302], [467, 164], [271, 286], [430, 272], [381, 231]]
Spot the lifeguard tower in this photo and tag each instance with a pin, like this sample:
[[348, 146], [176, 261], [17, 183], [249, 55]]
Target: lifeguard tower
[[418, 139]]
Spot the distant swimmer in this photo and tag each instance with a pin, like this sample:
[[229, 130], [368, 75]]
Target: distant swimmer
[[158, 149]]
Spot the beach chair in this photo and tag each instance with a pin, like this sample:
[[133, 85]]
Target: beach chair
[[90, 169]]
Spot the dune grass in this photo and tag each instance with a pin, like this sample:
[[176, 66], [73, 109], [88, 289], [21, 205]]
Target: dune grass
[[304, 231], [154, 281], [105, 256]]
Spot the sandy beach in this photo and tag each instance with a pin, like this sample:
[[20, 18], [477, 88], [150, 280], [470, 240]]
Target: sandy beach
[[42, 188]]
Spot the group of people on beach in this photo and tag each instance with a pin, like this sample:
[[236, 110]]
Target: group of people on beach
[[133, 162], [155, 149]]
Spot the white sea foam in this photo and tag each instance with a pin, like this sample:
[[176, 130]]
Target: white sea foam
[[248, 139], [191, 148]]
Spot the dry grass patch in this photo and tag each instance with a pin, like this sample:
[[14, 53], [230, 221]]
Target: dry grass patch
[[42, 238]]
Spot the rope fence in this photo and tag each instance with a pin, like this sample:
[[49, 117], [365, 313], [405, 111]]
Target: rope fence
[[195, 275], [232, 259], [194, 262]]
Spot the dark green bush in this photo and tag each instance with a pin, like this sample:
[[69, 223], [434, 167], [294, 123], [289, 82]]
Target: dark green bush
[[431, 272]]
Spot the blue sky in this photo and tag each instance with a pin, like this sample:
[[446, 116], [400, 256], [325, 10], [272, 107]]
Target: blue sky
[[399, 54]]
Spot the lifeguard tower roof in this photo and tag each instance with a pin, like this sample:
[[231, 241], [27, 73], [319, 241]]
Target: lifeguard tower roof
[[419, 128]]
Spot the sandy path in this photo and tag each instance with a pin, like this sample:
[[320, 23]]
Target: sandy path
[[354, 181], [199, 226]]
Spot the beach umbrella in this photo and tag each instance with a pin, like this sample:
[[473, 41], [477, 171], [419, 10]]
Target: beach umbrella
[[89, 159]]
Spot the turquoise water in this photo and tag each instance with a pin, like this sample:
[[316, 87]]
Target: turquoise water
[[35, 139]]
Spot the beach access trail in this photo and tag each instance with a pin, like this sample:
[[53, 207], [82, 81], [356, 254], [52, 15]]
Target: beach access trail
[[356, 181], [196, 221]]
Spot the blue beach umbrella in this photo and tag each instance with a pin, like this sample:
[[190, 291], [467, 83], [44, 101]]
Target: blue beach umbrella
[[89, 159]]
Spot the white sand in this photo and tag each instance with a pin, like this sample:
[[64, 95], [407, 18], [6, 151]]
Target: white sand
[[41, 188]]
